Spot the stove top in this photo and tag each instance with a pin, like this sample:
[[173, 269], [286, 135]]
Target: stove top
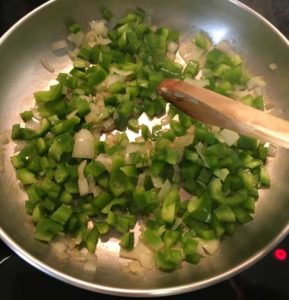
[[266, 280]]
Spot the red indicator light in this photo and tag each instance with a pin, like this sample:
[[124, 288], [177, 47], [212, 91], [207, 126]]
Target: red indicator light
[[280, 254]]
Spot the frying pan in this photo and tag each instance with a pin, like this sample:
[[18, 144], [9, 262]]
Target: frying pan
[[259, 45]]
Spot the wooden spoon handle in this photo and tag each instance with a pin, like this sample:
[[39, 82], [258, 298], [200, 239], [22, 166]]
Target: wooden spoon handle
[[215, 109]]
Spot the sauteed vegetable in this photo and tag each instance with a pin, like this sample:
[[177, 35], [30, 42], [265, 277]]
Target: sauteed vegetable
[[93, 166]]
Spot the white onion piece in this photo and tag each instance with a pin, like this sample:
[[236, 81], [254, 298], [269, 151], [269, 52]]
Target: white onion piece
[[164, 190], [33, 125], [72, 54], [59, 45], [47, 65], [211, 246], [58, 246], [141, 253], [135, 267], [110, 80], [173, 47], [19, 145], [198, 83], [200, 247], [189, 51], [259, 91], [105, 160], [90, 266], [183, 141], [115, 70], [215, 129], [76, 38], [72, 114], [99, 40], [200, 150], [157, 182], [80, 169], [140, 180], [108, 124], [238, 95], [171, 56], [230, 137], [98, 26], [83, 187], [273, 66], [83, 145], [256, 81], [93, 188]]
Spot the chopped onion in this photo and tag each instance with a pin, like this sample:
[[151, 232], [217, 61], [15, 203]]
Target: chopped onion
[[93, 188], [215, 129], [80, 169], [171, 56], [58, 246], [183, 141], [273, 66], [98, 26], [101, 40], [90, 266], [173, 47], [83, 145], [83, 186], [157, 182], [189, 51], [72, 114], [105, 160], [164, 190], [20, 145], [135, 267], [256, 81], [198, 83], [110, 80], [238, 95], [115, 70], [230, 137], [141, 179], [141, 253], [200, 150], [33, 125], [72, 54], [47, 65], [211, 246], [108, 124], [59, 45], [76, 38], [259, 91]]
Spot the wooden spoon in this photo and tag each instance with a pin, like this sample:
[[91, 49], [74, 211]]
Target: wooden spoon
[[215, 109]]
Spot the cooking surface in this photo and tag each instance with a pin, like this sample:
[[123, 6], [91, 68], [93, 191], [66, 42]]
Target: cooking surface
[[268, 279]]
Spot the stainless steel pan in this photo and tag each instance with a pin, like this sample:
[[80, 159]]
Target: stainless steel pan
[[259, 44]]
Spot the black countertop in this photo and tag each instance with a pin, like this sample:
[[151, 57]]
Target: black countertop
[[267, 279]]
